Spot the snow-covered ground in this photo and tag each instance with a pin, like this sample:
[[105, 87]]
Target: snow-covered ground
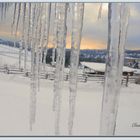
[[14, 106], [9, 56], [15, 98]]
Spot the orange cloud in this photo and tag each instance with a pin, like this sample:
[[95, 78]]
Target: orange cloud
[[85, 44], [88, 44], [92, 44], [9, 35]]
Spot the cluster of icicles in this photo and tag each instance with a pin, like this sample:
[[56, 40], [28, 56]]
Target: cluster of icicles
[[33, 20]]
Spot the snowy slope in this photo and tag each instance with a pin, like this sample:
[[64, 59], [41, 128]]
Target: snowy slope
[[9, 56]]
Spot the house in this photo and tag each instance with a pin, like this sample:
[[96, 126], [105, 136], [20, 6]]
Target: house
[[132, 62], [99, 68]]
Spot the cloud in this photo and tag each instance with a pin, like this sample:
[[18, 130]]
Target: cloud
[[94, 31], [133, 41], [97, 30]]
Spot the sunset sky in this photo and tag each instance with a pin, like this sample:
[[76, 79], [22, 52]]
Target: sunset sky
[[95, 31]]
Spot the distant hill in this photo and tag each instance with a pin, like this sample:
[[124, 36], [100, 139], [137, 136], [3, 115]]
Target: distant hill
[[9, 43], [85, 55]]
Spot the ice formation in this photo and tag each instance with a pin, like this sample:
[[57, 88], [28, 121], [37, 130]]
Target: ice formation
[[77, 23], [118, 15], [61, 16]]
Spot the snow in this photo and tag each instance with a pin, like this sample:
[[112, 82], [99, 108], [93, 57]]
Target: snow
[[9, 56], [14, 106], [131, 58], [15, 99], [101, 67], [137, 71]]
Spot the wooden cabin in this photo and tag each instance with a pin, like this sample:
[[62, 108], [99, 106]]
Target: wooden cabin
[[99, 68]]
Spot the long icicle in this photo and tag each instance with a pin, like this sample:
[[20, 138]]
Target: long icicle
[[4, 7], [1, 11], [33, 27], [54, 36], [16, 30], [37, 46], [14, 18], [46, 33], [54, 43], [15, 22], [24, 41], [61, 9], [118, 15], [18, 17], [29, 24], [77, 23], [41, 39], [28, 39]]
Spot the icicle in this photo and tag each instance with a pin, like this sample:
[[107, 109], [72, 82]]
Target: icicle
[[35, 51], [24, 42], [100, 11], [2, 5], [61, 13], [17, 25], [39, 42], [29, 23], [14, 17], [54, 43], [18, 17], [54, 37], [28, 29], [36, 39], [44, 30], [46, 33], [39, 66], [33, 23], [118, 16], [77, 23], [53, 56], [3, 9]]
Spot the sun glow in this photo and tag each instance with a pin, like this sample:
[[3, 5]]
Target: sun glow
[[85, 44]]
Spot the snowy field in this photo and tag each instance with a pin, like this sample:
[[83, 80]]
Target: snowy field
[[14, 107]]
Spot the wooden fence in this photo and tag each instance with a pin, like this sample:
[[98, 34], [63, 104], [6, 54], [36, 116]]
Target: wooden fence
[[81, 77]]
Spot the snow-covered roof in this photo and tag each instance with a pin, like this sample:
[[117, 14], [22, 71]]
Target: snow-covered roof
[[137, 71], [100, 67], [132, 58]]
